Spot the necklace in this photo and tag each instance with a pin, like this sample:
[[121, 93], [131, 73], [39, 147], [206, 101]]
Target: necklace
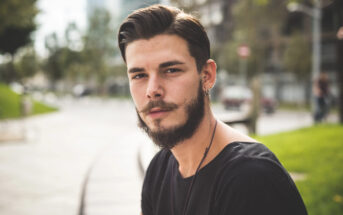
[[194, 177]]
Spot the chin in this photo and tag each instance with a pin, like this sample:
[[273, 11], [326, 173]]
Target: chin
[[163, 125]]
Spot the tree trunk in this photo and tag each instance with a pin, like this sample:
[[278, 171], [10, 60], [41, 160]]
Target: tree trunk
[[340, 77], [339, 59]]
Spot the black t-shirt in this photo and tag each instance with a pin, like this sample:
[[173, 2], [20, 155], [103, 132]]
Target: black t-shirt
[[244, 178]]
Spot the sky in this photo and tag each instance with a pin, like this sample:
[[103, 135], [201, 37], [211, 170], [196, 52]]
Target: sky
[[54, 16]]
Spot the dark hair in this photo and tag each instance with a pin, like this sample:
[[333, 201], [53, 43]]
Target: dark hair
[[148, 22]]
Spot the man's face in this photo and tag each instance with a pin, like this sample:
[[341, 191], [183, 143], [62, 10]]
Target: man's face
[[165, 87]]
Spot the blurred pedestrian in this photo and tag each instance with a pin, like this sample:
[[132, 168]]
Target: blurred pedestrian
[[204, 167], [322, 98], [25, 104]]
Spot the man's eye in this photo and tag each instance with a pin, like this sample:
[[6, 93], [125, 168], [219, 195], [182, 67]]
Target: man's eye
[[172, 70], [138, 76]]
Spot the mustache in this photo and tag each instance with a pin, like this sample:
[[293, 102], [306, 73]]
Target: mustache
[[165, 106]]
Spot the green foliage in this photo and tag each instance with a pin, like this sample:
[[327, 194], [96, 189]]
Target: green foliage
[[258, 25], [261, 2], [100, 35], [7, 72], [10, 104], [16, 24], [84, 57], [228, 57], [17, 13], [27, 64], [257, 17], [53, 65], [12, 38], [100, 45], [62, 59], [297, 56], [317, 152], [24, 65]]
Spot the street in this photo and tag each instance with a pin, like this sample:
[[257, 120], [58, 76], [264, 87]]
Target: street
[[45, 172]]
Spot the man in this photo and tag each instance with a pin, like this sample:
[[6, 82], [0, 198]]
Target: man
[[321, 94], [204, 166]]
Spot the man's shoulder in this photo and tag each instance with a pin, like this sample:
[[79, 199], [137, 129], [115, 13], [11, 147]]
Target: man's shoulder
[[252, 166], [254, 178], [245, 151], [250, 160]]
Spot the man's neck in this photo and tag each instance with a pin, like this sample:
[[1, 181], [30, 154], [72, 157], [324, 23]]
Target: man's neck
[[190, 152]]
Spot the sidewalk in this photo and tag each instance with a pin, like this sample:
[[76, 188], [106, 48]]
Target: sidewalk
[[44, 172], [12, 131]]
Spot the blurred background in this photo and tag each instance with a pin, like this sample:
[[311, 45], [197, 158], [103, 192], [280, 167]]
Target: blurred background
[[69, 143]]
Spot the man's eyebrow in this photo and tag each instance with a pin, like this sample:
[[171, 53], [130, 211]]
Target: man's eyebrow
[[170, 63], [135, 69]]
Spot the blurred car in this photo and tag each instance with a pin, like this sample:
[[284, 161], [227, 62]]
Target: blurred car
[[235, 97], [269, 105], [81, 91]]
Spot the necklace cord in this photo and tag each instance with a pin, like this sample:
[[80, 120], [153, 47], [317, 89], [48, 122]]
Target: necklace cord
[[197, 170]]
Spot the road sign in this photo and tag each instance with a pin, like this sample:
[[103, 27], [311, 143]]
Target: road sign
[[243, 51]]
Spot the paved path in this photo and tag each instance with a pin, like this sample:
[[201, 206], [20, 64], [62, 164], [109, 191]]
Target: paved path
[[44, 173]]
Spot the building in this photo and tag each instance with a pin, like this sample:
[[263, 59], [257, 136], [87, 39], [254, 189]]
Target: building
[[118, 9], [128, 6]]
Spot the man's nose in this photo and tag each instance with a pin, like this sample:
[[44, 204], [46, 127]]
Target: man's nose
[[154, 89]]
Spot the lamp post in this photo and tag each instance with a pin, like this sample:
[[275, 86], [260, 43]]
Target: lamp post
[[243, 52], [316, 14]]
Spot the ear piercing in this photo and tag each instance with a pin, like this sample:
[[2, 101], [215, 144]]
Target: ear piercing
[[207, 92]]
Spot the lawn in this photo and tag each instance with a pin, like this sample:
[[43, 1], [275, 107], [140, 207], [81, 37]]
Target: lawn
[[318, 153], [10, 104]]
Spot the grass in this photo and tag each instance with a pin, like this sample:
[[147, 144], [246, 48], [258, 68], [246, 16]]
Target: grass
[[10, 104], [318, 152], [294, 106]]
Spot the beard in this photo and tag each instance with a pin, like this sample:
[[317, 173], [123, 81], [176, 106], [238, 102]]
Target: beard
[[168, 138]]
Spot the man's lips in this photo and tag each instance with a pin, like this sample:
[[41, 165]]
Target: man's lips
[[157, 112], [157, 106]]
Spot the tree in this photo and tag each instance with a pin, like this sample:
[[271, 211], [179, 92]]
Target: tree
[[297, 56], [16, 25], [100, 45], [27, 65], [54, 63], [260, 29], [61, 60]]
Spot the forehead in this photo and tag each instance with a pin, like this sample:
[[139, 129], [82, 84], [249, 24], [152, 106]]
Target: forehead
[[157, 49]]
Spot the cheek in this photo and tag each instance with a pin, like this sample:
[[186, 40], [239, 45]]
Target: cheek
[[187, 88], [137, 94]]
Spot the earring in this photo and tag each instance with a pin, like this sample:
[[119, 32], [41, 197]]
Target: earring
[[207, 92]]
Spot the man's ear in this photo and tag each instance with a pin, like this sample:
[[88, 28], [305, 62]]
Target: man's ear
[[208, 74]]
